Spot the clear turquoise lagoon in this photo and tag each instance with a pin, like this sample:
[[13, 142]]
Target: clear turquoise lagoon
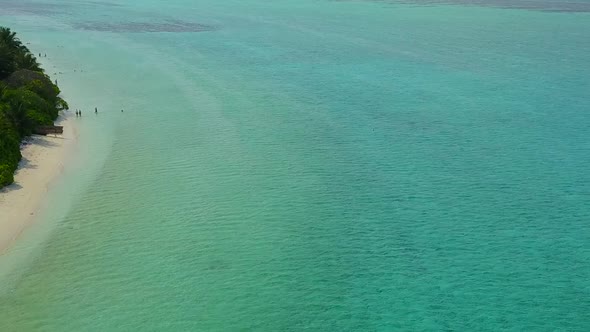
[[311, 165]]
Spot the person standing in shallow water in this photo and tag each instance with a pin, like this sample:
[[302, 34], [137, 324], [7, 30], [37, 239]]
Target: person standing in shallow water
[[95, 110]]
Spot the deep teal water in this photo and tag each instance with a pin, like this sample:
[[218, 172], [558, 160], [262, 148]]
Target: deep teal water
[[312, 165]]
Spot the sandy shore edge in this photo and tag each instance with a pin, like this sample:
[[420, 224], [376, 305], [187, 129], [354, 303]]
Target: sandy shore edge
[[42, 163]]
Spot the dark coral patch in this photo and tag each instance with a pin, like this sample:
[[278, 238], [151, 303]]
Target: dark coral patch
[[561, 6], [130, 27]]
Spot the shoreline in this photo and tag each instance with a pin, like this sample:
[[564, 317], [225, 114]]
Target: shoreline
[[42, 163]]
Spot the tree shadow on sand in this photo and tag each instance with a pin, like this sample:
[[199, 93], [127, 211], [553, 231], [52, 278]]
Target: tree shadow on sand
[[12, 187], [26, 164], [47, 142]]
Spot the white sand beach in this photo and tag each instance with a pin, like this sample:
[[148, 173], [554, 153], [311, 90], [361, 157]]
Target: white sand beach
[[42, 162]]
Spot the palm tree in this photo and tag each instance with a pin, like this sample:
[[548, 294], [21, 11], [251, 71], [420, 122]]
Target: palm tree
[[10, 39], [27, 61], [7, 60], [14, 55]]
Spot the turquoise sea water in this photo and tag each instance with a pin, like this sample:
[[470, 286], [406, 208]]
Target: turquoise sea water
[[312, 165]]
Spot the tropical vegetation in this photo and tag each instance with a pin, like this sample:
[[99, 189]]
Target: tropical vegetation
[[28, 99]]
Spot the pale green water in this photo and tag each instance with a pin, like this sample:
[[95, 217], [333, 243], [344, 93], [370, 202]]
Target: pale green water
[[319, 165]]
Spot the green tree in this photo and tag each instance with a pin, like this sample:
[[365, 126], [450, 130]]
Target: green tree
[[7, 60], [27, 61], [9, 38]]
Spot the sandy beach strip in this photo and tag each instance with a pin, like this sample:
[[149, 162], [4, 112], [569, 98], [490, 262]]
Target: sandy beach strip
[[42, 162]]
